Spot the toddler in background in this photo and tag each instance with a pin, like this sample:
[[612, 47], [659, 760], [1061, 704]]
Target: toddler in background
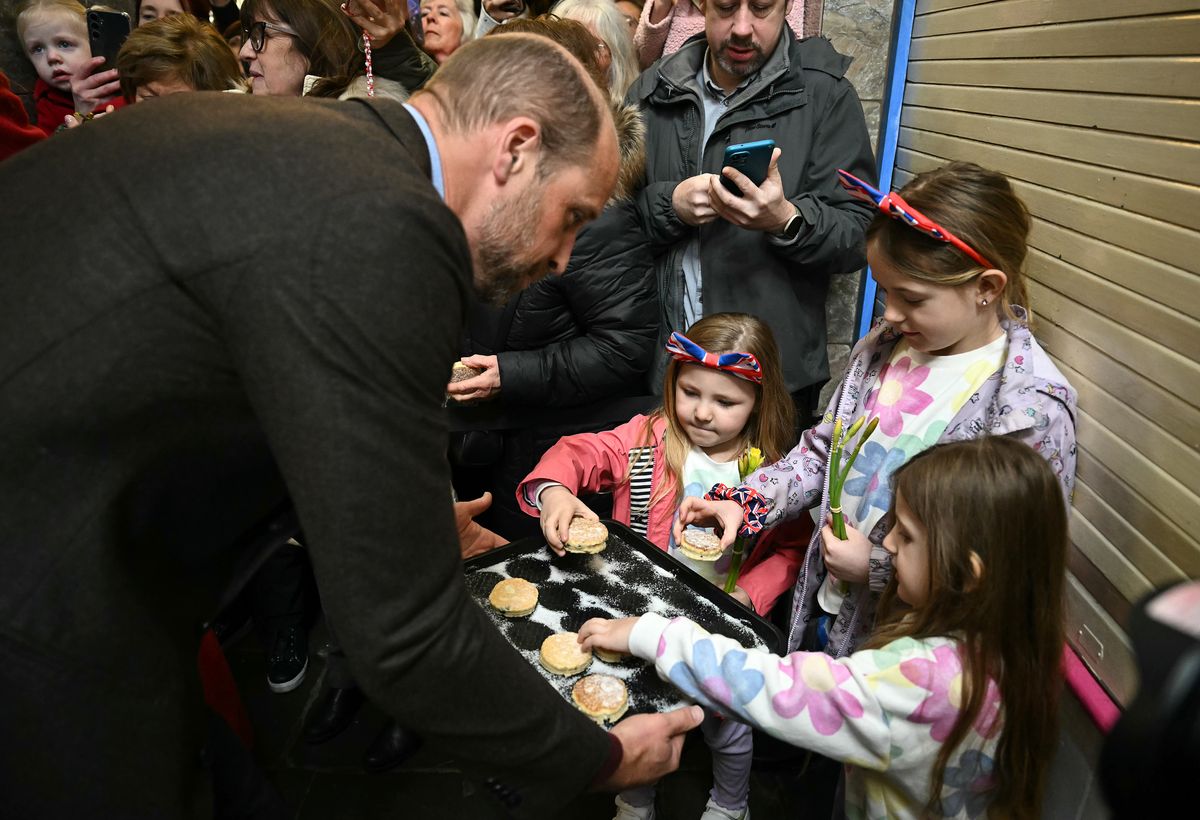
[[53, 35]]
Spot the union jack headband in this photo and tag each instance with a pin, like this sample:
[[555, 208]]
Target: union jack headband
[[894, 206], [743, 365]]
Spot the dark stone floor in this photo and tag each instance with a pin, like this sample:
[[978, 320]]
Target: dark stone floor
[[327, 781]]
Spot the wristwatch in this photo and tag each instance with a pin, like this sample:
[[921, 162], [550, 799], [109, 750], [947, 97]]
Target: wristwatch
[[791, 228]]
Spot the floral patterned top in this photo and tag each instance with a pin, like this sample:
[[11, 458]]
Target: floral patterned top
[[915, 398], [1027, 398], [884, 712]]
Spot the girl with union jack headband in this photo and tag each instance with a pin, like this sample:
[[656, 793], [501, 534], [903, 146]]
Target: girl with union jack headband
[[724, 400]]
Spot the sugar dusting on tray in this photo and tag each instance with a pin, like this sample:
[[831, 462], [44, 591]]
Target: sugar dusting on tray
[[620, 582]]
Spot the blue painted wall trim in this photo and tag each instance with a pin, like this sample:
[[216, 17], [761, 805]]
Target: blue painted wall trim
[[889, 129]]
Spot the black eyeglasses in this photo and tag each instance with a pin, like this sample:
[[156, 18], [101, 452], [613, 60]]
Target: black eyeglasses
[[256, 34]]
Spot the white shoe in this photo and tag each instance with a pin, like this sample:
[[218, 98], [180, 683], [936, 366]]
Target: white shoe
[[714, 812], [627, 812]]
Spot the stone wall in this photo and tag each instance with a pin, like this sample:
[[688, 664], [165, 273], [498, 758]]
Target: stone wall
[[862, 30]]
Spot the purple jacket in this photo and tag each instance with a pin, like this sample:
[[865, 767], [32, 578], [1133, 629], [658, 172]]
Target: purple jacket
[[1028, 399]]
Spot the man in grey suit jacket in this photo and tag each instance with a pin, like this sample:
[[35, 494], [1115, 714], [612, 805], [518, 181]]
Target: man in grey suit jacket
[[211, 301]]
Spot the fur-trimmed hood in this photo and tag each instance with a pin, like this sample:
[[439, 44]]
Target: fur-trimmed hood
[[631, 145]]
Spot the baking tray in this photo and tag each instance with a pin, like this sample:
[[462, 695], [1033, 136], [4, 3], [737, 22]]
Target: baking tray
[[630, 577]]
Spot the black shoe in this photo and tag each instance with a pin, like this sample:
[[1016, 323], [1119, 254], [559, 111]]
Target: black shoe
[[332, 713], [390, 748], [288, 660]]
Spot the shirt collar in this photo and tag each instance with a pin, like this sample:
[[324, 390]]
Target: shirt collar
[[710, 85], [435, 158]]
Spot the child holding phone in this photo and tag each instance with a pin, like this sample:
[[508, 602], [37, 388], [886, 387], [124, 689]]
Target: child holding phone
[[723, 393], [53, 35], [950, 709]]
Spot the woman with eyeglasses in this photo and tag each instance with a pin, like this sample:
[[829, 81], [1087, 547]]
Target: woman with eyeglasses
[[298, 47]]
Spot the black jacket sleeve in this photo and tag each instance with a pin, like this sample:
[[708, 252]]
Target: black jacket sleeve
[[834, 221], [403, 60], [608, 288]]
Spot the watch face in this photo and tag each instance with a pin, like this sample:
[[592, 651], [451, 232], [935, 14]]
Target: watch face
[[792, 228]]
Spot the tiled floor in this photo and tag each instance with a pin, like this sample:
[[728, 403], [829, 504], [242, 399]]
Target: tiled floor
[[327, 781]]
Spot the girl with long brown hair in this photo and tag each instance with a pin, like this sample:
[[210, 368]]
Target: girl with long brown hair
[[950, 710]]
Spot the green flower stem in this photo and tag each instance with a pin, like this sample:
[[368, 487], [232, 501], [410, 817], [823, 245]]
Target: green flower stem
[[839, 522], [739, 549], [839, 472], [749, 461]]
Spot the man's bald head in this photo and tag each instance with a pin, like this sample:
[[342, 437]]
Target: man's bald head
[[495, 79]]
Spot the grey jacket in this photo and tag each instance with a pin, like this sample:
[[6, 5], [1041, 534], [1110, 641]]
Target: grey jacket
[[1027, 399], [802, 100]]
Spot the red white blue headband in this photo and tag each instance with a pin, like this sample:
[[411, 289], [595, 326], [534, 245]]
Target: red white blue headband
[[894, 206], [743, 365]]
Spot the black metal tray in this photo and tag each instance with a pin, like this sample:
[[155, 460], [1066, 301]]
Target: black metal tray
[[630, 577]]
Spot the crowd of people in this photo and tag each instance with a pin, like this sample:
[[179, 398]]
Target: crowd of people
[[539, 192]]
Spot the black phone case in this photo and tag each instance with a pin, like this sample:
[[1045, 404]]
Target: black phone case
[[107, 31]]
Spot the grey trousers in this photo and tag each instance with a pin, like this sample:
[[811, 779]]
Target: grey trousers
[[732, 747]]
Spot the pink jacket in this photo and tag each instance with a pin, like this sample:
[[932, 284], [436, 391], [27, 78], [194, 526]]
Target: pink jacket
[[653, 40], [599, 462]]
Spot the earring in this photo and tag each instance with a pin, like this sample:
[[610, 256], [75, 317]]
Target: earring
[[985, 302]]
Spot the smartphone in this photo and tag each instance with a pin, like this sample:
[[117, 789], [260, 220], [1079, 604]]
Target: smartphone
[[751, 158], [107, 31]]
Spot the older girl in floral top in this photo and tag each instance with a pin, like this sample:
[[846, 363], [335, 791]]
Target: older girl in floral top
[[950, 710], [953, 358]]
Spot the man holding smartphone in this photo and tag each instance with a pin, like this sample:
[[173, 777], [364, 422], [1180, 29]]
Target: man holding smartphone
[[771, 248], [164, 384]]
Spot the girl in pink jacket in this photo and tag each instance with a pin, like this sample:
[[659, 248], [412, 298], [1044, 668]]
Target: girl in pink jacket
[[723, 395]]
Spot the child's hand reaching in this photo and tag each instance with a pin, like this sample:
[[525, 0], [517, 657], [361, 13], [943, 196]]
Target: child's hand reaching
[[724, 516], [603, 633], [559, 506], [848, 560]]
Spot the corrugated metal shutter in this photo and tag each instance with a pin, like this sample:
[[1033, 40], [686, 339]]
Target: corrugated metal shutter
[[1093, 110]]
